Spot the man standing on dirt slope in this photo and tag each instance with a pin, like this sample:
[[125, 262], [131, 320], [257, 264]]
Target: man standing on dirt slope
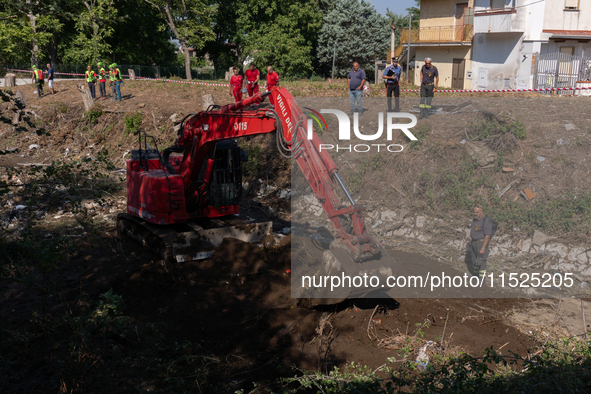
[[272, 80], [117, 80], [477, 249], [50, 77], [102, 80], [112, 83], [38, 80], [251, 81], [236, 85], [429, 82], [356, 80], [392, 76], [90, 79]]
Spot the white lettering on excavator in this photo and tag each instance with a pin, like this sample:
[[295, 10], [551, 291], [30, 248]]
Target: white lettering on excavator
[[284, 112], [240, 126]]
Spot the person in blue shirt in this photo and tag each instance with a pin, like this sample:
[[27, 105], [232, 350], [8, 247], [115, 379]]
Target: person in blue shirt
[[356, 81], [50, 77], [392, 79]]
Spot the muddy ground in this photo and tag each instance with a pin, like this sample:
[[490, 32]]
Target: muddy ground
[[218, 325]]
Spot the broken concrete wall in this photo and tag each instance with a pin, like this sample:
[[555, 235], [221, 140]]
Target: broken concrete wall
[[435, 233]]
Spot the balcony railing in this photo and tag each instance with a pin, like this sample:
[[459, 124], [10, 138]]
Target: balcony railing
[[461, 34], [438, 35]]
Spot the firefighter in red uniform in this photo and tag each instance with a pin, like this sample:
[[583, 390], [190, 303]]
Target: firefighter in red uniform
[[272, 80], [236, 85], [252, 80]]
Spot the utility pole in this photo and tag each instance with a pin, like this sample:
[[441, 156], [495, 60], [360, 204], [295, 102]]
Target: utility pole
[[334, 54], [408, 49]]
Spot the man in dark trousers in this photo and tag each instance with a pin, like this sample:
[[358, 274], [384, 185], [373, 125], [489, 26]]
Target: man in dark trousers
[[392, 77], [477, 249], [102, 75], [90, 80], [356, 81], [429, 82], [38, 80]]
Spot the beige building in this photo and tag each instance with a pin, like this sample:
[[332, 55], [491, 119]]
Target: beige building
[[445, 35], [503, 44]]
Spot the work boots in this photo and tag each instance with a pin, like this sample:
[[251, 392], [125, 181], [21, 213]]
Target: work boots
[[422, 115], [426, 113]]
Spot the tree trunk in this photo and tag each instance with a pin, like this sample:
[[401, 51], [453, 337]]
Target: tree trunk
[[187, 63], [53, 50], [35, 49], [9, 81], [86, 96]]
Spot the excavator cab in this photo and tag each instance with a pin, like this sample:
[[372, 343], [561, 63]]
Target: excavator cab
[[225, 187]]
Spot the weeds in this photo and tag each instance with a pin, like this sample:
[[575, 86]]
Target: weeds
[[489, 128], [254, 163], [420, 132], [133, 123], [93, 114], [366, 166], [559, 367]]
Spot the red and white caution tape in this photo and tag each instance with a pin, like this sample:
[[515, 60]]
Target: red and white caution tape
[[177, 81], [30, 71], [365, 88]]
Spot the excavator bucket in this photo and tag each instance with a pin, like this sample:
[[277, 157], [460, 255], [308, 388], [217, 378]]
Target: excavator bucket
[[189, 241], [336, 262]]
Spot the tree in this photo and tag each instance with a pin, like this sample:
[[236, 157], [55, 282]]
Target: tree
[[281, 33], [94, 25], [191, 23], [26, 26], [139, 37], [416, 12], [223, 49], [360, 32]]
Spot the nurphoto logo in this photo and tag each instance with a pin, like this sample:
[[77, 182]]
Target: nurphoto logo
[[345, 131]]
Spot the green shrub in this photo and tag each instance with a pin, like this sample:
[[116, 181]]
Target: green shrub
[[560, 367], [93, 114], [492, 127], [133, 123]]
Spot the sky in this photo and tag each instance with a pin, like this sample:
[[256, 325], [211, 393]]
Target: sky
[[398, 6]]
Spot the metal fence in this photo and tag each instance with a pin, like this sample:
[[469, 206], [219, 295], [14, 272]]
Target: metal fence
[[561, 70], [140, 71]]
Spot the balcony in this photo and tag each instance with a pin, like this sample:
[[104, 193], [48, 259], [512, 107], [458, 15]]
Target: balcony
[[433, 36], [500, 20]]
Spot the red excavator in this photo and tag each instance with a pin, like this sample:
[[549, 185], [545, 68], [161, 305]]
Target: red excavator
[[182, 202]]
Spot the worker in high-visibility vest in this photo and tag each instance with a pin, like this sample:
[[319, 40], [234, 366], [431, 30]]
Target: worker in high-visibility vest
[[90, 79], [38, 80], [117, 79], [112, 83], [102, 76]]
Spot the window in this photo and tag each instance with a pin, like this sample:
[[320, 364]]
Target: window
[[497, 4], [571, 4]]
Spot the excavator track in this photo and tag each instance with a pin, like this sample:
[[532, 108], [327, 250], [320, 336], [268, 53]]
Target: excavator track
[[192, 240]]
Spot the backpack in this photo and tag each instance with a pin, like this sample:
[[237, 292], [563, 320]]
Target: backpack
[[493, 226]]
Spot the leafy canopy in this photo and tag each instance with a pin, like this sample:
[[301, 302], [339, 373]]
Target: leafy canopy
[[279, 33], [361, 34]]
